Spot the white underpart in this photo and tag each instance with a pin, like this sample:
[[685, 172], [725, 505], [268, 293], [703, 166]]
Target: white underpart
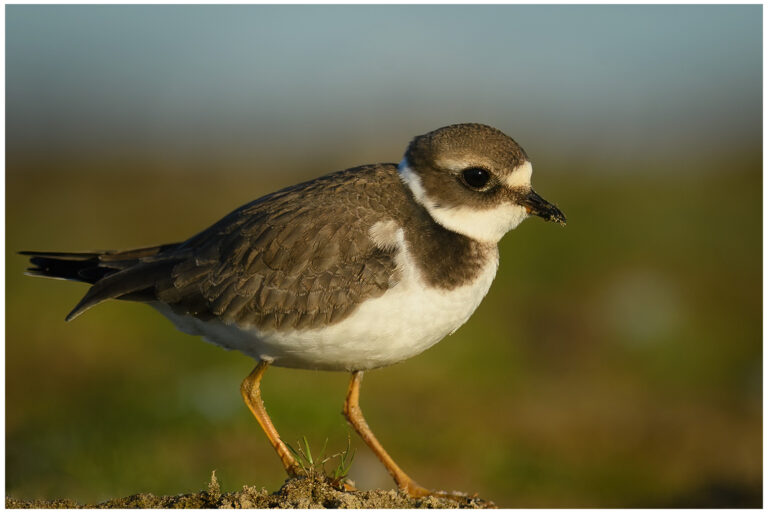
[[408, 319], [487, 225]]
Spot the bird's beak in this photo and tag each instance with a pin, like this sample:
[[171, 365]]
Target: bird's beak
[[538, 206]]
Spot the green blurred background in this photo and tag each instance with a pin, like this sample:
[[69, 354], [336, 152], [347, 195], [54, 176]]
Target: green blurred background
[[615, 363]]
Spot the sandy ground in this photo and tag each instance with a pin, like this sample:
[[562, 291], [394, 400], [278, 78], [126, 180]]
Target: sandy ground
[[295, 493]]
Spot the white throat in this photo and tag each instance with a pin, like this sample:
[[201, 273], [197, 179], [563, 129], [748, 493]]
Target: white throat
[[488, 225]]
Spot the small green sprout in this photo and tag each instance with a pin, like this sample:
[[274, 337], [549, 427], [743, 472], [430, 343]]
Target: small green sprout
[[315, 465]]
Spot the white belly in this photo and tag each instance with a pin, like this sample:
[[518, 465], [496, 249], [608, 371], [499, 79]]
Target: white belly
[[408, 319]]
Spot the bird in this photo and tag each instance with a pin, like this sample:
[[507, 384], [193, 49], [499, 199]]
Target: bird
[[351, 271]]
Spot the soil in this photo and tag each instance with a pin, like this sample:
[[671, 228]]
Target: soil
[[303, 492]]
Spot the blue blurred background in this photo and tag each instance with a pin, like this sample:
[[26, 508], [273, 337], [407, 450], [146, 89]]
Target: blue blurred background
[[614, 363], [626, 83]]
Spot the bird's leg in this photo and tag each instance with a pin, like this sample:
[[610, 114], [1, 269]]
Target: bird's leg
[[355, 417], [252, 395]]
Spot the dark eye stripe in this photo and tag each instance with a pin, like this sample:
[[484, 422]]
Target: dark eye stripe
[[476, 177]]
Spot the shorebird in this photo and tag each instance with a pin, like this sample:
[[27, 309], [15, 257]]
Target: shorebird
[[351, 271]]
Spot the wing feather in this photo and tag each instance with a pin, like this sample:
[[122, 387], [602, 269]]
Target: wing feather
[[277, 263]]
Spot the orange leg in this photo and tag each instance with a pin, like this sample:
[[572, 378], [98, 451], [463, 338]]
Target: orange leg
[[252, 395], [355, 417]]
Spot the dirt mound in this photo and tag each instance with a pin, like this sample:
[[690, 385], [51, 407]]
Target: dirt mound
[[306, 492]]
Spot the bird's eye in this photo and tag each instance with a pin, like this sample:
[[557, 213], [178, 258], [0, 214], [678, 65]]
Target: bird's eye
[[476, 177]]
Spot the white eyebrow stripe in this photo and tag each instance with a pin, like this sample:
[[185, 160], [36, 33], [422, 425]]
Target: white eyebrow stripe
[[520, 176], [456, 165]]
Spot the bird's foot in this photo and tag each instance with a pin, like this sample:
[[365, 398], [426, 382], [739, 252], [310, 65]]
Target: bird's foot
[[412, 489], [294, 471], [415, 490]]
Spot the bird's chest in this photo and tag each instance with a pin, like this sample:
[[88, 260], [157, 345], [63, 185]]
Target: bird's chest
[[416, 312], [408, 319], [412, 317]]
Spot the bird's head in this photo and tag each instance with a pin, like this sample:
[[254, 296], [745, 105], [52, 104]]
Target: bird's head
[[475, 180]]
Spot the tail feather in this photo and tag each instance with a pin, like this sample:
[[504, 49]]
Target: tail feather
[[64, 255], [113, 274], [140, 277], [66, 266]]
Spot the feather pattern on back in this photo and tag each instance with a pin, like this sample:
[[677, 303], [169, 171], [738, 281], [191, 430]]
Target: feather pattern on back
[[299, 258]]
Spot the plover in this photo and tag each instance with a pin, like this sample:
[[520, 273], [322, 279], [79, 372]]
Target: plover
[[352, 271]]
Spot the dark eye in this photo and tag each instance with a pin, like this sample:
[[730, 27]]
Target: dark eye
[[476, 177]]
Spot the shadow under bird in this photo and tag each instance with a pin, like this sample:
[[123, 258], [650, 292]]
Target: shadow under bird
[[354, 270]]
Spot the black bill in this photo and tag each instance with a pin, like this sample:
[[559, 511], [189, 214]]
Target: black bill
[[538, 206]]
